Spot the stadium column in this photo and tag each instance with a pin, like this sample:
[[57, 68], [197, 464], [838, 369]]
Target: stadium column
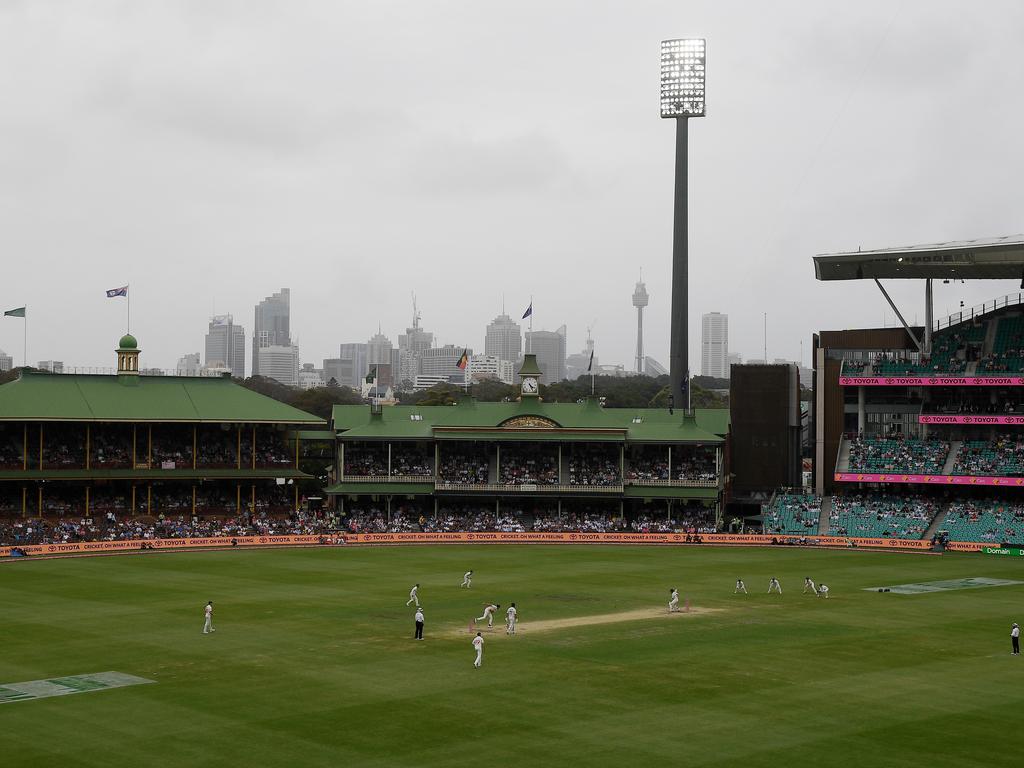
[[238, 498], [40, 446], [622, 463], [238, 450], [24, 501], [39, 508], [341, 463], [437, 457], [149, 450], [88, 446], [559, 463], [860, 409], [87, 501], [195, 436], [254, 459], [193, 501], [24, 450], [670, 461], [149, 499], [135, 434], [296, 487], [497, 463], [296, 450], [389, 458]]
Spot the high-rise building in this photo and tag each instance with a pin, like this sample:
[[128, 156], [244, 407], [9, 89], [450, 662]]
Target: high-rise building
[[225, 345], [504, 339], [714, 348], [444, 361], [279, 362], [482, 367], [6, 361], [549, 347], [189, 365], [357, 355], [640, 300], [411, 346], [341, 371], [271, 327], [378, 350]]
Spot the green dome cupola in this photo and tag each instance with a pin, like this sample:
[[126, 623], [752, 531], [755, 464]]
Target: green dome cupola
[[128, 356]]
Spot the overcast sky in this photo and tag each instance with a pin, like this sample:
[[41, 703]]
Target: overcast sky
[[210, 153]]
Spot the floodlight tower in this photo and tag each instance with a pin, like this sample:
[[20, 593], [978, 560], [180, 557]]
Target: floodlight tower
[[682, 97], [640, 300]]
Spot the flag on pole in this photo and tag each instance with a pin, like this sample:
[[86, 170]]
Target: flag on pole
[[372, 375], [463, 361], [19, 312], [529, 311], [122, 291], [590, 365]]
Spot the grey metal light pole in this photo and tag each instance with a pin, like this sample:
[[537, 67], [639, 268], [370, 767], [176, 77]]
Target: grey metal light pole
[[682, 97]]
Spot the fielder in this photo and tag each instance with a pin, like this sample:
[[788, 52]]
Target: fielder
[[809, 585], [467, 579], [208, 626], [740, 587], [673, 600], [823, 591], [478, 643], [489, 610], [510, 620], [774, 586], [413, 596]]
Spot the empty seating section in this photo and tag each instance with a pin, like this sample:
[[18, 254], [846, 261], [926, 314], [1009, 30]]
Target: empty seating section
[[1003, 457], [986, 520], [793, 513], [886, 455], [882, 515], [1007, 348]]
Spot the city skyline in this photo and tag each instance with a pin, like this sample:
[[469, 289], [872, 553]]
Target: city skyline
[[204, 163]]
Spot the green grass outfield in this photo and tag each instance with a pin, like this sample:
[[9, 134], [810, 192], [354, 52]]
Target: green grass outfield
[[313, 662]]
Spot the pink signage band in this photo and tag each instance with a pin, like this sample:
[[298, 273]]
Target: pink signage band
[[933, 418], [866, 477], [931, 381]]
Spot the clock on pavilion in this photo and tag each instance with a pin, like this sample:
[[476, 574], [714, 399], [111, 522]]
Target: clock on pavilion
[[529, 377]]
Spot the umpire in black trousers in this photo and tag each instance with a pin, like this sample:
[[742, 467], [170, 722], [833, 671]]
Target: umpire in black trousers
[[419, 623]]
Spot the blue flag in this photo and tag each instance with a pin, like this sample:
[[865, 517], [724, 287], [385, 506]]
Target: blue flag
[[529, 311], [122, 291]]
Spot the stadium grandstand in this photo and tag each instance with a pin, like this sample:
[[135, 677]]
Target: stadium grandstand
[[129, 456], [919, 430], [530, 465]]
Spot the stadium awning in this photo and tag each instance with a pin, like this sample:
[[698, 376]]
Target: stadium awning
[[995, 258]]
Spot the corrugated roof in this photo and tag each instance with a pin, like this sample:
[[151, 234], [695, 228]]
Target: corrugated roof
[[401, 422], [986, 258], [71, 397]]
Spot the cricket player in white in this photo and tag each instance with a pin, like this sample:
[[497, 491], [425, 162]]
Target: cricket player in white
[[208, 626], [774, 586], [489, 610], [673, 600], [467, 579], [740, 587], [478, 643], [809, 585], [823, 591], [413, 597], [510, 620]]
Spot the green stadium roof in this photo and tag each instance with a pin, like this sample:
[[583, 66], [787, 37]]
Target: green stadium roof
[[72, 397], [569, 421]]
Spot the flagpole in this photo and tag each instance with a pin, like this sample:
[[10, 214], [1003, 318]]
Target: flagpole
[[530, 345], [128, 296], [24, 341]]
